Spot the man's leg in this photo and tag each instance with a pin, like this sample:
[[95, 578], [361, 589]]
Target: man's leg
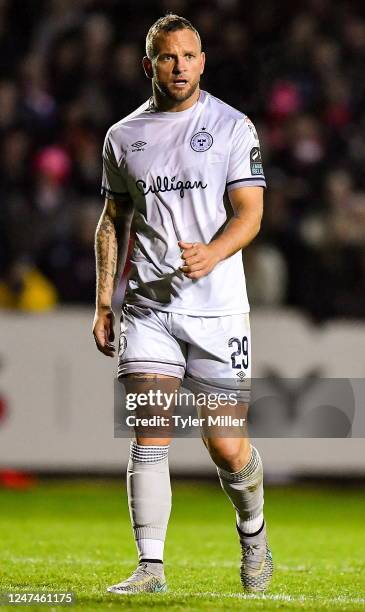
[[219, 356], [149, 492], [240, 473]]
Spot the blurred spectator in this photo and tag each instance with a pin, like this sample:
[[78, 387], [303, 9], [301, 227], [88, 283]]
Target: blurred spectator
[[24, 288], [68, 261], [266, 275], [9, 105], [71, 68]]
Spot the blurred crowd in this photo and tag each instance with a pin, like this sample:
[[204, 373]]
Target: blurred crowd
[[71, 68]]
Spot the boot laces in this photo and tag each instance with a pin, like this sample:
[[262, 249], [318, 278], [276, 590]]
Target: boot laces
[[249, 549]]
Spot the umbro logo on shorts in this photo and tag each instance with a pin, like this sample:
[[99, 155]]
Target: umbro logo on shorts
[[241, 375]]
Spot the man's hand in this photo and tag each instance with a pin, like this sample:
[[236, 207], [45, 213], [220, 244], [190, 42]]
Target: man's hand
[[199, 259], [103, 330]]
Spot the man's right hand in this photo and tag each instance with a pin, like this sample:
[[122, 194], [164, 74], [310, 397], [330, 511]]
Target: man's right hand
[[103, 331]]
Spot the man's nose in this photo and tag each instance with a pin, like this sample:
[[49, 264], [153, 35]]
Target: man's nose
[[179, 65]]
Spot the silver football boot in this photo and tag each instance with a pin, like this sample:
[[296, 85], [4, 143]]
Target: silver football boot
[[256, 562], [146, 578]]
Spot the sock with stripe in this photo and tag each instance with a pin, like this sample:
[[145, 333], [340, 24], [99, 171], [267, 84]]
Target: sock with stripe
[[149, 498], [246, 492]]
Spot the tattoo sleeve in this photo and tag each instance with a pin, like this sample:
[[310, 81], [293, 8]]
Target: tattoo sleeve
[[111, 246]]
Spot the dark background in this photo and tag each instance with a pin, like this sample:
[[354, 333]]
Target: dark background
[[71, 68]]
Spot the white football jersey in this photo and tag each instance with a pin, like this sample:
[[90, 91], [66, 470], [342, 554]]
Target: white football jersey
[[176, 168]]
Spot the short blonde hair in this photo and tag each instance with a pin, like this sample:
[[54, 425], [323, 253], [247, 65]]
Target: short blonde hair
[[168, 23]]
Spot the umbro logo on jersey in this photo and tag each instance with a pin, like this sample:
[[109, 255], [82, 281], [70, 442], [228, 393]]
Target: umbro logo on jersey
[[201, 141], [138, 145]]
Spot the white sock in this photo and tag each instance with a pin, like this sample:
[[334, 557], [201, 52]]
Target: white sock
[[245, 490], [149, 498], [150, 549], [252, 525]]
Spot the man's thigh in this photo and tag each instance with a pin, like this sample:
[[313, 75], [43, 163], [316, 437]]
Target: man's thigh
[[154, 425], [146, 344], [151, 364], [218, 372], [220, 355]]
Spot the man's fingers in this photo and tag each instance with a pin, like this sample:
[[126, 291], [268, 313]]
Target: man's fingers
[[111, 333], [185, 245], [110, 346], [192, 260], [103, 332], [103, 344], [193, 252], [101, 337], [109, 327], [106, 349], [189, 249], [109, 352], [193, 268], [197, 274]]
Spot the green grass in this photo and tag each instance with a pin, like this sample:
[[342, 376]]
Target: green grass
[[75, 536]]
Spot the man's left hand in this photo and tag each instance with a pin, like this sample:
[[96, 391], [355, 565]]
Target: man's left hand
[[199, 259]]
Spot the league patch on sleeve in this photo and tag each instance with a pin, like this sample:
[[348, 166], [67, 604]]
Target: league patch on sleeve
[[256, 161]]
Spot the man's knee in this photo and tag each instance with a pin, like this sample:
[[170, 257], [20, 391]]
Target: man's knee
[[143, 441], [153, 386], [229, 453]]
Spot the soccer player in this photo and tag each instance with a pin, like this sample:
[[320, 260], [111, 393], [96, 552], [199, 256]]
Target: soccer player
[[166, 169]]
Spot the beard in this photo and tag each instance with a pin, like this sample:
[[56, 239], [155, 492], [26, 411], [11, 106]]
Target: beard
[[176, 95]]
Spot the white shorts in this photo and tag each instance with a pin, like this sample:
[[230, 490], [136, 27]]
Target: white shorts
[[201, 349]]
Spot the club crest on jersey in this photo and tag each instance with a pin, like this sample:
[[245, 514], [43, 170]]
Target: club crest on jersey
[[201, 141]]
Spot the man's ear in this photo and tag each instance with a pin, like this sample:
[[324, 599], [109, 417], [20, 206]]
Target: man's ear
[[147, 67], [202, 62]]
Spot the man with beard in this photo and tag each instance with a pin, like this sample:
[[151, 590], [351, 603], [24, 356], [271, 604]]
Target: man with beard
[[167, 167]]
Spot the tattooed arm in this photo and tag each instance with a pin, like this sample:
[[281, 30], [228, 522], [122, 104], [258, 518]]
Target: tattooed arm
[[111, 246]]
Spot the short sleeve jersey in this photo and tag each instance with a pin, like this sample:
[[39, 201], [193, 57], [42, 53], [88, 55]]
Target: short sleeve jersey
[[176, 167]]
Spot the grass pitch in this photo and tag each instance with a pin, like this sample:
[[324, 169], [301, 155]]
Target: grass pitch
[[75, 536]]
